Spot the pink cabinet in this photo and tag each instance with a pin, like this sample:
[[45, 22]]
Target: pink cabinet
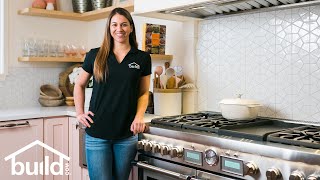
[[56, 136], [76, 172], [15, 136]]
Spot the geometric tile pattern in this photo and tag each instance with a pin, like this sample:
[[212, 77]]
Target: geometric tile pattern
[[272, 57], [21, 87]]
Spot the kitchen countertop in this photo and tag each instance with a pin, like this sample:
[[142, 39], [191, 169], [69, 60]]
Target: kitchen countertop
[[42, 112]]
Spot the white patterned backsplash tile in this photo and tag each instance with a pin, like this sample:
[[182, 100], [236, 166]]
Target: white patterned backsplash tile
[[21, 87], [273, 57]]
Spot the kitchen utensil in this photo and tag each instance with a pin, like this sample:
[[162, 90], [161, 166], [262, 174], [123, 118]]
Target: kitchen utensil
[[158, 71], [171, 83], [178, 70], [166, 65], [163, 81], [170, 72], [239, 109], [188, 86], [177, 81]]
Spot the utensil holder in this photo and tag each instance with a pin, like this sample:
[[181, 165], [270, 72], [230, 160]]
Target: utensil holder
[[167, 102]]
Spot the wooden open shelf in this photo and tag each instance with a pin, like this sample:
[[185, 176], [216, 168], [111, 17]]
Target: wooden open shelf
[[50, 59], [87, 16], [161, 57], [78, 59]]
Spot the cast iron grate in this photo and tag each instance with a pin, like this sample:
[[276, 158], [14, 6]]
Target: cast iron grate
[[307, 136]]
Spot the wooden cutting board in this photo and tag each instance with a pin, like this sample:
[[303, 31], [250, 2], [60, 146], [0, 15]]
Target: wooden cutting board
[[64, 83]]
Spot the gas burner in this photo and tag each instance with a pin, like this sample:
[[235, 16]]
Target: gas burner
[[177, 121], [307, 136], [213, 124]]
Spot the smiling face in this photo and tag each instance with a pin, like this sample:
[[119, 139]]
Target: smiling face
[[120, 29]]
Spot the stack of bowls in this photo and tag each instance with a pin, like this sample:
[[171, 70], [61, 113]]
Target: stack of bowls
[[50, 96], [98, 4], [70, 101], [81, 6]]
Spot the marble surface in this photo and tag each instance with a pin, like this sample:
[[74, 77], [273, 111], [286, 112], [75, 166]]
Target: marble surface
[[41, 112]]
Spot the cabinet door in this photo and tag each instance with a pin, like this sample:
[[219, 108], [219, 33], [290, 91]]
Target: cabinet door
[[75, 169], [16, 137], [56, 136]]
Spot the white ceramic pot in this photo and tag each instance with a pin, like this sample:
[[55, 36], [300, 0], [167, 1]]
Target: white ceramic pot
[[239, 109]]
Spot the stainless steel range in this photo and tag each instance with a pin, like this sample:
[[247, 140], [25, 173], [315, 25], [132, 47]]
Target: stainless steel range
[[207, 146]]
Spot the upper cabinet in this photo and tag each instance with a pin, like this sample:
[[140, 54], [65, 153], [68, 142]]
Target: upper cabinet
[[87, 16]]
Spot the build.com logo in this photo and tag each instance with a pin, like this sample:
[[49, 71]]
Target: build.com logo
[[42, 168]]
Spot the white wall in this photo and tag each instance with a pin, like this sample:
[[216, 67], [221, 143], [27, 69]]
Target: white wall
[[21, 87], [272, 57], [174, 38]]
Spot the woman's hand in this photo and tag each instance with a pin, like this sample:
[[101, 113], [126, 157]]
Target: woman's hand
[[84, 118], [137, 125]]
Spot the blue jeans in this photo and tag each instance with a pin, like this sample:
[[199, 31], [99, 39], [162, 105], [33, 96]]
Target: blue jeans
[[110, 159]]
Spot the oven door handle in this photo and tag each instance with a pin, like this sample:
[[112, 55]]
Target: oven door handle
[[144, 165]]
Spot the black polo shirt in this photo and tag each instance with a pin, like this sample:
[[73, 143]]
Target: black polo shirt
[[114, 102]]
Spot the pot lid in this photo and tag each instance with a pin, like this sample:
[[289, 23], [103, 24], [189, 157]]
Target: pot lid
[[240, 101]]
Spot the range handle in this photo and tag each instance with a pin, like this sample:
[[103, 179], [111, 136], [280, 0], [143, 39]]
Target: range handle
[[144, 165]]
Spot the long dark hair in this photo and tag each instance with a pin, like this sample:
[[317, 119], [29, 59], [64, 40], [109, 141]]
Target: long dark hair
[[101, 70]]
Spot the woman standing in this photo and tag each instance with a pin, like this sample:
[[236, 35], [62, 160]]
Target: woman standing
[[119, 99]]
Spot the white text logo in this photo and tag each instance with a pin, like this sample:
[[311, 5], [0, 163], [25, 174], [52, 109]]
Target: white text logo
[[42, 168], [134, 65]]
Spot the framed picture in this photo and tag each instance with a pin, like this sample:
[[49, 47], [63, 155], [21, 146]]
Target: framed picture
[[154, 38]]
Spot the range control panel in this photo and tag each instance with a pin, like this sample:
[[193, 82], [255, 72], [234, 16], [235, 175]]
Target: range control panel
[[226, 161]]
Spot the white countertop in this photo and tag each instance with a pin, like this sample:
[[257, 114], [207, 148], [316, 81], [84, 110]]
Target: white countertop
[[41, 112]]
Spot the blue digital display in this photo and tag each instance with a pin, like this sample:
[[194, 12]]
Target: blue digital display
[[232, 165]]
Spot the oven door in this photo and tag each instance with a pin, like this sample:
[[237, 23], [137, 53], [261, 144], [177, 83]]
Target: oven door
[[150, 168], [154, 169]]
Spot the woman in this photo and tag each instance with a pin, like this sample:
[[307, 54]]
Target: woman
[[119, 99]]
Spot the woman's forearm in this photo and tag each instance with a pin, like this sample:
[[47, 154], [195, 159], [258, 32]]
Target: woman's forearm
[[78, 94], [142, 104]]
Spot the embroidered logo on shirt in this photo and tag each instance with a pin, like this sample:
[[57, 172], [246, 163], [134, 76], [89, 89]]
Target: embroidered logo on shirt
[[134, 65]]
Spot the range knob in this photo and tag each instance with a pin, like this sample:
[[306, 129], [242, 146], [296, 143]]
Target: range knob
[[176, 152], [313, 177], [252, 168], [156, 148], [211, 157], [147, 146], [165, 150], [297, 175], [140, 144], [273, 174]]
